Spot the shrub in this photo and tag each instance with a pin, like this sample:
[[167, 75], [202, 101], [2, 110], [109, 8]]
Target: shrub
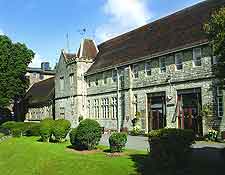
[[61, 129], [33, 129], [88, 134], [136, 131], [16, 129], [73, 134], [117, 141], [170, 148], [46, 126], [212, 135]]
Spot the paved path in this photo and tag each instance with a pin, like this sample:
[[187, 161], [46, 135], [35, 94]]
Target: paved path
[[133, 142], [141, 143]]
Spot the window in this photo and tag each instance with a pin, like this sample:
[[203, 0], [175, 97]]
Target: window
[[214, 60], [71, 80], [162, 64], [41, 76], [96, 82], [114, 75], [121, 74], [89, 83], [89, 108], [135, 104], [114, 107], [62, 112], [179, 61], [135, 70], [105, 107], [197, 55], [96, 108], [34, 75], [220, 107], [148, 69], [105, 78], [61, 83]]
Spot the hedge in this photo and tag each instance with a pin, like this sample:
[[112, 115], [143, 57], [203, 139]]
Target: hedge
[[170, 148], [18, 129], [61, 129], [87, 135], [46, 129], [117, 141]]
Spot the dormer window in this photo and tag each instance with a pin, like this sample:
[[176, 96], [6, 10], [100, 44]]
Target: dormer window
[[162, 64], [148, 69], [197, 56], [114, 75], [135, 70], [179, 61]]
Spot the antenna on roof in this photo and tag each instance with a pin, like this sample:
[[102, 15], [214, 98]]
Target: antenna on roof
[[67, 42], [82, 31]]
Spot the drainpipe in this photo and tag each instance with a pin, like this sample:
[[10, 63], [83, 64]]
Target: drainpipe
[[118, 86]]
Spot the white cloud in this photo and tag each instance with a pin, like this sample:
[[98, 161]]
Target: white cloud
[[124, 15], [36, 62], [1, 32]]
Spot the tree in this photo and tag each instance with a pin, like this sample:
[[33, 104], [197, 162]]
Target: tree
[[14, 59], [215, 30]]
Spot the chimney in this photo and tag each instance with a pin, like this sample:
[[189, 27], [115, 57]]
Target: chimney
[[45, 66]]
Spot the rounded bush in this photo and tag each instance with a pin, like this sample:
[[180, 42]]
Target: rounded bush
[[73, 134], [46, 127], [117, 141], [88, 134], [61, 129]]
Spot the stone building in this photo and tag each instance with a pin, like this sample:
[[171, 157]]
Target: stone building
[[161, 73], [39, 100], [35, 75]]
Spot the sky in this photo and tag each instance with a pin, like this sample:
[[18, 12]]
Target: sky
[[45, 25]]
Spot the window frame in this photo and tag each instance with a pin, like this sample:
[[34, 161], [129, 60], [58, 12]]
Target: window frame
[[181, 62], [135, 70], [220, 102], [195, 58], [162, 68], [114, 75], [149, 69]]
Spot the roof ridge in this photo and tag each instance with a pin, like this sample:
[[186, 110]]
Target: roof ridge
[[155, 21]]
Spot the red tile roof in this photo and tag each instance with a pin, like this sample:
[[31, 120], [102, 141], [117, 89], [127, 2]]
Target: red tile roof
[[88, 48], [181, 29]]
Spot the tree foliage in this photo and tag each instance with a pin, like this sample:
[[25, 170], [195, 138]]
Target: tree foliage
[[215, 30], [14, 59]]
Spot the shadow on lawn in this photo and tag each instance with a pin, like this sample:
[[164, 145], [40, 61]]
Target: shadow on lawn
[[206, 160]]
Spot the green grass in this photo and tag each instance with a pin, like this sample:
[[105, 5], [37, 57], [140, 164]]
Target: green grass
[[27, 156]]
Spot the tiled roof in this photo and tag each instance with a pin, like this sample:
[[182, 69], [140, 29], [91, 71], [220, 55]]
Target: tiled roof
[[41, 92], [88, 49], [181, 29]]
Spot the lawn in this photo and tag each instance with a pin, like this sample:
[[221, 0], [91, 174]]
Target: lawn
[[27, 156]]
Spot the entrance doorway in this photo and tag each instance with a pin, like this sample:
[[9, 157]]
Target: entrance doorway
[[188, 110], [156, 111]]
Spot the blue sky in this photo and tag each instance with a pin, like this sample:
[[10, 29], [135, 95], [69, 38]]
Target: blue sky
[[43, 24]]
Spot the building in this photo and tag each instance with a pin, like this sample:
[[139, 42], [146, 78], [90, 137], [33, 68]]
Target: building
[[161, 73], [39, 100], [39, 79], [35, 75]]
